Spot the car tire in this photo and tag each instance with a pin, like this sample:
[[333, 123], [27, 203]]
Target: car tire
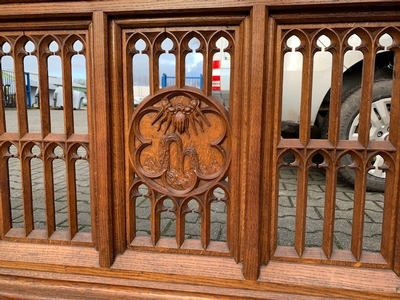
[[349, 113]]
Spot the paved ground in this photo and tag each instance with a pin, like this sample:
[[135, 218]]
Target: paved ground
[[287, 201], [315, 212], [56, 120]]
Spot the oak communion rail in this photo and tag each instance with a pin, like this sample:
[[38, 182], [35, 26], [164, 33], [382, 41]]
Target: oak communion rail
[[180, 197]]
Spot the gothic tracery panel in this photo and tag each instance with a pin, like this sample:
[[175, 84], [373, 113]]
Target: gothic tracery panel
[[179, 135]]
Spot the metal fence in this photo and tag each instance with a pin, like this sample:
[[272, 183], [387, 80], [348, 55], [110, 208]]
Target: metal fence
[[189, 81]]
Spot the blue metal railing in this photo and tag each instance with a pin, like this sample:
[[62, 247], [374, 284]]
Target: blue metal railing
[[8, 85], [189, 81]]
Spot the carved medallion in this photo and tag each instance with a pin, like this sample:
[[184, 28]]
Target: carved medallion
[[180, 142]]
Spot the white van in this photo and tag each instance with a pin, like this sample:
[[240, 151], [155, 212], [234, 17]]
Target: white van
[[58, 99], [351, 93]]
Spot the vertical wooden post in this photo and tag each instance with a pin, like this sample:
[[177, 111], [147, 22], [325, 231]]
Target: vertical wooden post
[[118, 138], [67, 89], [20, 91], [268, 144], [5, 205], [337, 52], [44, 91], [392, 211], [100, 139], [255, 87], [2, 104]]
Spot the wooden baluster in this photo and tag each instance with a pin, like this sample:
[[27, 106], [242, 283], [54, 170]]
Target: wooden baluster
[[363, 138]]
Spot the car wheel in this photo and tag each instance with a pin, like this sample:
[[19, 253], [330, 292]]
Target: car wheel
[[380, 119]]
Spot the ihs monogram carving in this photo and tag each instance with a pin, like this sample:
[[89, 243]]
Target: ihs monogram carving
[[180, 142]]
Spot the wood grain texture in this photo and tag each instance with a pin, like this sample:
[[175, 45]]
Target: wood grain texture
[[100, 110], [86, 8], [252, 205], [112, 261], [144, 274]]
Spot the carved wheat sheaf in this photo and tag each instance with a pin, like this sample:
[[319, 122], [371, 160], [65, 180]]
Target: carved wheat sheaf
[[180, 142]]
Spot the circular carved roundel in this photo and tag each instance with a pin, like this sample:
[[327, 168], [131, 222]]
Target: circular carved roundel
[[180, 142]]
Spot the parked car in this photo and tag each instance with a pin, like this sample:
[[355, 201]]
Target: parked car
[[351, 93]]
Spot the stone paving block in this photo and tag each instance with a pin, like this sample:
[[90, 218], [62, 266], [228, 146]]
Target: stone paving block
[[17, 217], [285, 201], [371, 229], [84, 218], [39, 215], [290, 187], [83, 206], [316, 190], [62, 219], [314, 239], [64, 209], [62, 225], [288, 173], [343, 223], [192, 230], [316, 177], [316, 200], [287, 212], [342, 241], [222, 233], [344, 214], [216, 231], [192, 218], [143, 233], [313, 213], [218, 217], [374, 205], [167, 226], [143, 225], [143, 213], [286, 222], [374, 216], [143, 202], [85, 229], [60, 187], [344, 204], [345, 195], [15, 185], [40, 225], [313, 225], [39, 201], [285, 237], [292, 194], [16, 203], [60, 205], [372, 244], [218, 207]]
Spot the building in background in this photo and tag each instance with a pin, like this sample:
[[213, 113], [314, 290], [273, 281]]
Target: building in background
[[32, 91]]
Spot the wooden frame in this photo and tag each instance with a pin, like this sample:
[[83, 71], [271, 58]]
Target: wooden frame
[[109, 262]]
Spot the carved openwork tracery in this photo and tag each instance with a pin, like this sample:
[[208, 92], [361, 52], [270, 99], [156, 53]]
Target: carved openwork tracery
[[180, 142]]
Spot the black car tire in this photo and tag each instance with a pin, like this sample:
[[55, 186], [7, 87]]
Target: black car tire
[[349, 112]]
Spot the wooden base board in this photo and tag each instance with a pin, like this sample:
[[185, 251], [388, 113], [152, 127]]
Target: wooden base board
[[51, 271]]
